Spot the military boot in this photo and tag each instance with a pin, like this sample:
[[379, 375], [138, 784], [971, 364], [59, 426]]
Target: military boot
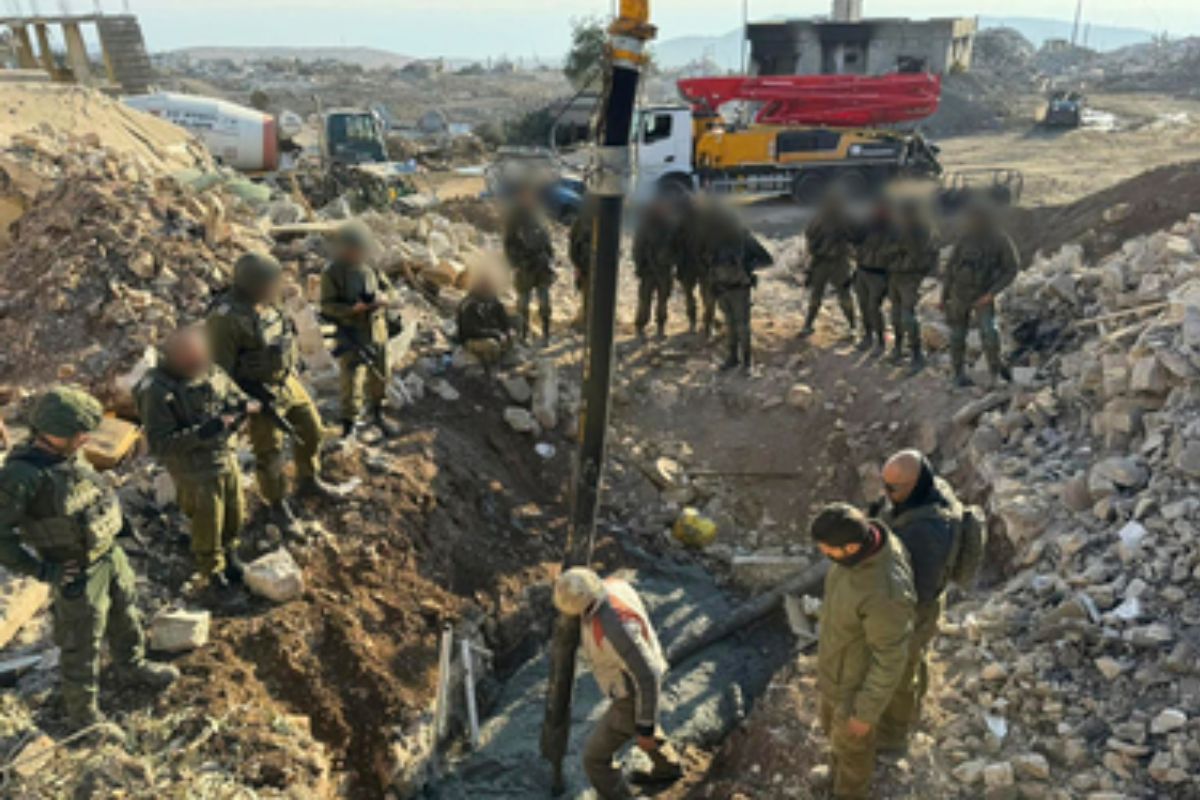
[[962, 380], [897, 355], [235, 568], [348, 426], [1004, 372], [731, 362], [918, 359], [864, 344], [282, 515], [149, 675], [662, 330], [389, 428]]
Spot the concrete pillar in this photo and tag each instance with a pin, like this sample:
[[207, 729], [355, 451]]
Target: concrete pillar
[[77, 55], [45, 54], [24, 47]]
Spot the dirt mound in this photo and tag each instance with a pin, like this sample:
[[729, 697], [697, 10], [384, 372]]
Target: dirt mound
[[1101, 222], [105, 259]]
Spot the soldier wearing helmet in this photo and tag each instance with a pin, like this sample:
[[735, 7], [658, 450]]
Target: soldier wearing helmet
[[59, 523], [254, 341]]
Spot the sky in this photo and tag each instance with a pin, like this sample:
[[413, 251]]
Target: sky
[[538, 28]]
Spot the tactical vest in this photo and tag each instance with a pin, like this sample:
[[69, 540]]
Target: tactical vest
[[72, 516], [270, 355], [193, 403]]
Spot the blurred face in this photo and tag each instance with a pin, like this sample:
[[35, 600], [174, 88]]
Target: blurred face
[[187, 352], [841, 553], [66, 445], [352, 254]]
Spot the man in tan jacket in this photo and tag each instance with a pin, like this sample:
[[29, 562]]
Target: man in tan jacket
[[628, 664], [863, 651]]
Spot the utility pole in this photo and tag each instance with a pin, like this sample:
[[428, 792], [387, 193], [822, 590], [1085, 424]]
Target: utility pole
[[1075, 27], [745, 66], [608, 183]]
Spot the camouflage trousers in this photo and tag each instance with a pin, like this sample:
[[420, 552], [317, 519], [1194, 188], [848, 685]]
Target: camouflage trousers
[[525, 302], [268, 441], [216, 507], [707, 298], [614, 730], [354, 374], [871, 286], [904, 291], [653, 291], [959, 316], [100, 604], [829, 275], [735, 307], [904, 711], [488, 350], [852, 758]]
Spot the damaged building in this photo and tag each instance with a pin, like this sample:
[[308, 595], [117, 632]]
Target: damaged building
[[846, 43]]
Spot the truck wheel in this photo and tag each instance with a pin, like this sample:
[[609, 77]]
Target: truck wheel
[[807, 187], [674, 186]]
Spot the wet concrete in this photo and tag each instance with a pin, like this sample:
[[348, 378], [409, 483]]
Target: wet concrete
[[703, 698]]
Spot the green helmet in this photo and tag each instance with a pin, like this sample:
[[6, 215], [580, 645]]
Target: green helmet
[[354, 236], [65, 411], [255, 272]]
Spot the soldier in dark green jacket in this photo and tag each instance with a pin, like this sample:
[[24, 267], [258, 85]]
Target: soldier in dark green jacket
[[484, 327], [731, 254], [59, 523], [254, 341], [692, 261], [916, 260], [530, 251], [923, 512], [191, 412], [982, 264], [831, 236], [866, 625], [654, 259], [876, 252], [354, 297]]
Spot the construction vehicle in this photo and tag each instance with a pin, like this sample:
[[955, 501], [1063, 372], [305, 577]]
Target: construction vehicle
[[808, 132], [1064, 109], [238, 137], [1000, 186]]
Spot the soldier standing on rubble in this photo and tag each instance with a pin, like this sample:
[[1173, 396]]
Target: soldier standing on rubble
[[691, 263], [254, 341], [582, 231], [191, 411], [654, 259], [831, 236], [530, 252], [878, 249], [983, 263], [924, 514], [628, 664], [732, 254], [916, 259], [866, 625], [59, 522], [354, 296]]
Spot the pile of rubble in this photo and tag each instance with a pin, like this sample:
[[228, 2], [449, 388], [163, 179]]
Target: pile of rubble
[[1080, 670], [109, 253]]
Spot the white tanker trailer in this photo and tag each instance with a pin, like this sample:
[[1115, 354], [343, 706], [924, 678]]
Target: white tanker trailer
[[239, 137]]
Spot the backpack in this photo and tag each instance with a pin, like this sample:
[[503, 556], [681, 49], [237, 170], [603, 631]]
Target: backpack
[[970, 544]]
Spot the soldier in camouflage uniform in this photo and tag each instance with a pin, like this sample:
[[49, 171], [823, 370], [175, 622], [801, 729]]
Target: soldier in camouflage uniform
[[916, 259], [831, 236], [731, 256], [583, 229], [691, 262], [59, 523], [876, 252], [983, 263], [354, 296], [484, 327], [191, 411], [254, 341], [654, 258], [530, 252]]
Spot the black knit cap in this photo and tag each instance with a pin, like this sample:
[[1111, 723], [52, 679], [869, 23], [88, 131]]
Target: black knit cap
[[840, 524]]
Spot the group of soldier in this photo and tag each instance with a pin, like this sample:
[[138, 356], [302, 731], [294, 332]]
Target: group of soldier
[[883, 598], [702, 245], [60, 521]]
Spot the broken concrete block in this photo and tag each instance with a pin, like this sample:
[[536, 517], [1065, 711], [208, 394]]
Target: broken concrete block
[[1075, 494], [32, 757], [997, 776], [520, 420], [766, 571], [1187, 460], [1148, 376], [517, 388], [275, 576], [109, 444], [801, 396], [164, 490], [178, 630], [1168, 720], [545, 394]]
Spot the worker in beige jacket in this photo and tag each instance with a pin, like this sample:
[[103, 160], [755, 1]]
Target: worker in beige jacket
[[628, 664]]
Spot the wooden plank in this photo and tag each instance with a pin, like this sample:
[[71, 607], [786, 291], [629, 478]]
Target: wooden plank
[[20, 600]]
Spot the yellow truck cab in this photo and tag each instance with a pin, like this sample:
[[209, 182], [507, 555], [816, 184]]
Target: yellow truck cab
[[677, 151]]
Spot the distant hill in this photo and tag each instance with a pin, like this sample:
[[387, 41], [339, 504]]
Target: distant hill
[[725, 51], [365, 57], [1099, 37]]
